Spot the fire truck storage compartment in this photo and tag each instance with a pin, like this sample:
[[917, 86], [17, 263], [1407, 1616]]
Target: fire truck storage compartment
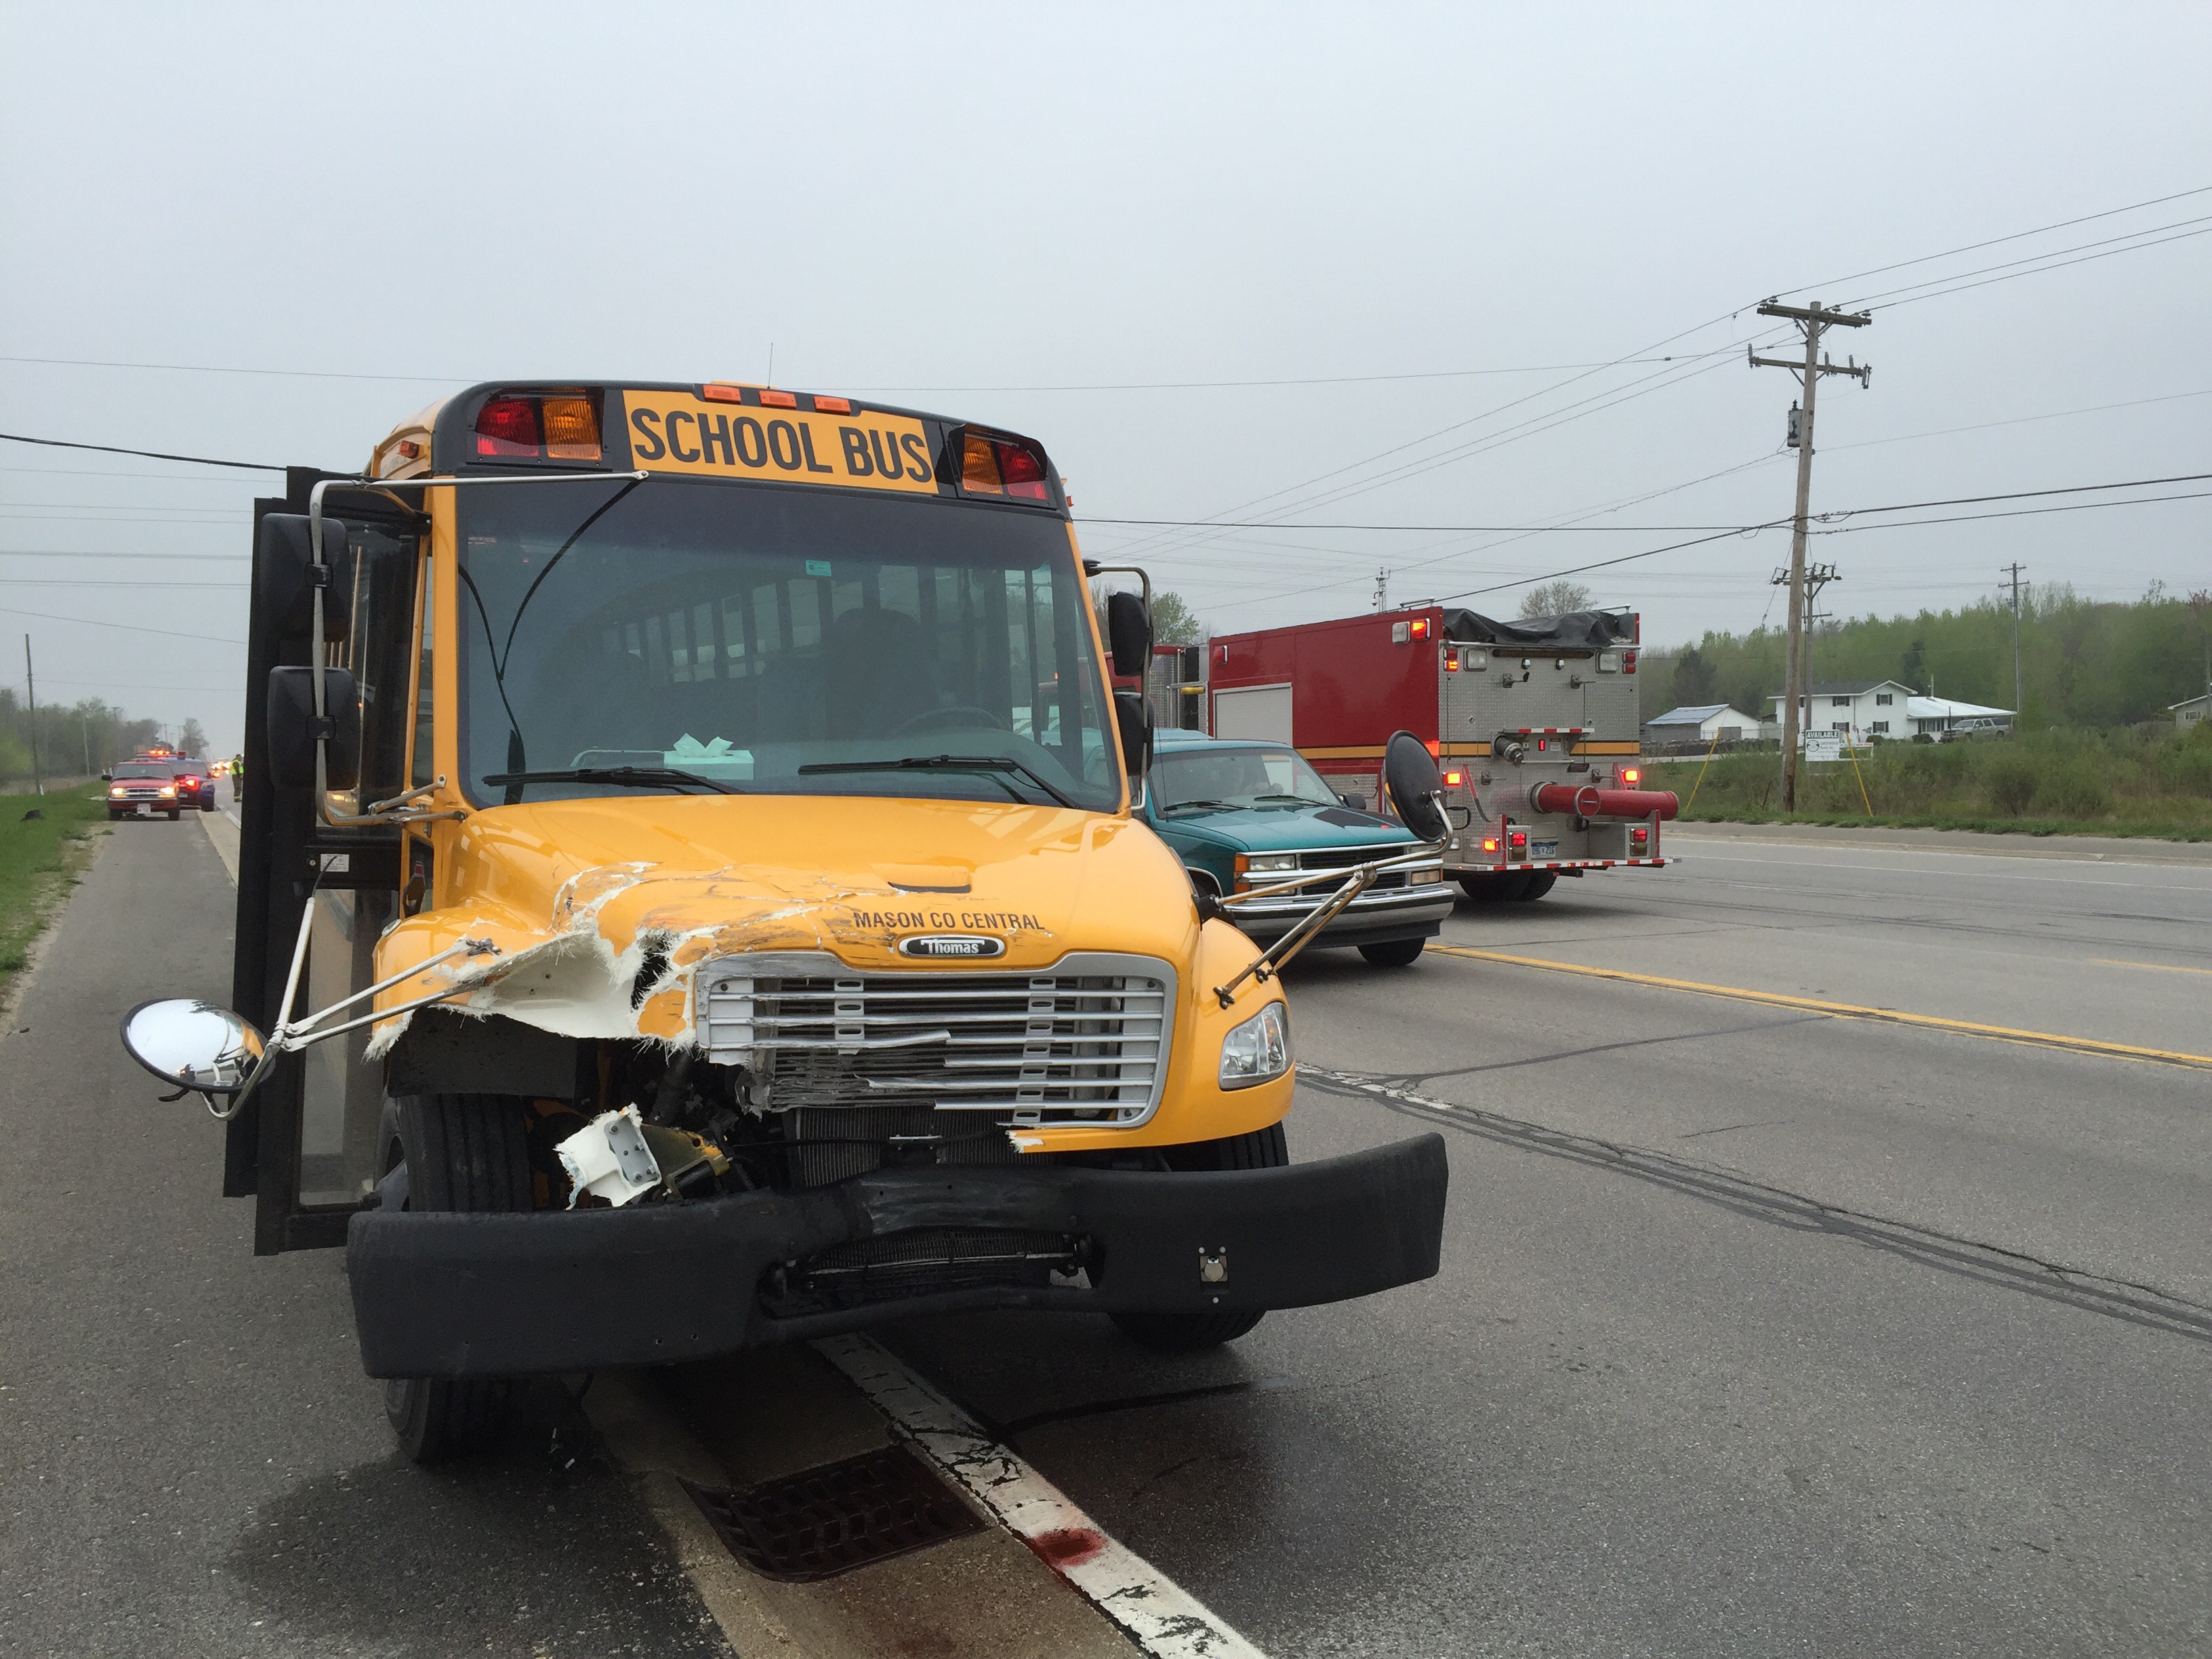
[[1509, 708]]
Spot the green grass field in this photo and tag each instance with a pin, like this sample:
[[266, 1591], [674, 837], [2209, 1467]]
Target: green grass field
[[2052, 783], [39, 860]]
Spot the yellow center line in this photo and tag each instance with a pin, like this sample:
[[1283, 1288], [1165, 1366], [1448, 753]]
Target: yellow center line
[[1848, 1009], [2162, 967]]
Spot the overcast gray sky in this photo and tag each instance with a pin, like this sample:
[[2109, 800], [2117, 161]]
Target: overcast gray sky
[[996, 212]]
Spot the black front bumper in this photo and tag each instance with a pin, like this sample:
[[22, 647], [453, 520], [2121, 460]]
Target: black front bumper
[[451, 1295]]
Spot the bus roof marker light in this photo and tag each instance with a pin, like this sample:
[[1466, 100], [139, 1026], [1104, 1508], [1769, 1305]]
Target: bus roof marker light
[[572, 428], [508, 426], [1023, 470], [719, 392], [979, 467], [827, 405], [775, 399]]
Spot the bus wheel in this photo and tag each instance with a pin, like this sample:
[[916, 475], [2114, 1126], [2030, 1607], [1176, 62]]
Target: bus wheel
[[461, 1152], [1397, 953], [1190, 1332], [1541, 882]]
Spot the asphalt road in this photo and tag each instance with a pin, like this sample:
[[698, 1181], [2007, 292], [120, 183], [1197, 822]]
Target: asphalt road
[[1763, 1328]]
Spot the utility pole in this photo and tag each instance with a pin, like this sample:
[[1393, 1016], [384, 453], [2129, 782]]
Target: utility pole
[[1816, 577], [31, 684], [1383, 588], [1813, 323], [2013, 570]]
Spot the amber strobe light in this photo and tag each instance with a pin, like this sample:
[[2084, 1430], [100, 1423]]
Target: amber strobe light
[[553, 426], [992, 465]]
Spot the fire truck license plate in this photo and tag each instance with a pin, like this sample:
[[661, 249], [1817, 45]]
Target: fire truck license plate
[[1543, 849]]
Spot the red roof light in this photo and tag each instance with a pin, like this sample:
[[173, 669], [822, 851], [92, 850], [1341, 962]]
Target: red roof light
[[508, 426]]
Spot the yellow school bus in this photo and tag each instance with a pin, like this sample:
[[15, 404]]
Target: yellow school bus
[[690, 895]]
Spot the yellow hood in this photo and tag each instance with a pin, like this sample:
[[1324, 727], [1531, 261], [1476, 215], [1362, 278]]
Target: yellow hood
[[596, 906]]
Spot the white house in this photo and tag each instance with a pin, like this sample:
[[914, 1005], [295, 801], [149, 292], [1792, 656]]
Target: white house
[[1857, 709], [1710, 722], [2188, 712]]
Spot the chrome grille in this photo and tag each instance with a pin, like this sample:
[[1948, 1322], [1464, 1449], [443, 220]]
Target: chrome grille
[[1344, 858], [1083, 1042]]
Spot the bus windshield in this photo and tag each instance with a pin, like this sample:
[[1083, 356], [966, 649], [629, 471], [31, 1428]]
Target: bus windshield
[[693, 636]]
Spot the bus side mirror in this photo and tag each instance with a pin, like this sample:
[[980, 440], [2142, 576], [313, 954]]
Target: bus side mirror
[[293, 728], [1132, 715], [1128, 634], [286, 574]]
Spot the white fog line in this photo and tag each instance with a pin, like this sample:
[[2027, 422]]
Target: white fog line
[[1152, 1611]]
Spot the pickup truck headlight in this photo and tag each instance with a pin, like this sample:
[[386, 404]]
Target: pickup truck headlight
[[1270, 864], [1259, 1050]]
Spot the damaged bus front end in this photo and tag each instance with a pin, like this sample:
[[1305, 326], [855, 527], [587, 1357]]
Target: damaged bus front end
[[692, 894]]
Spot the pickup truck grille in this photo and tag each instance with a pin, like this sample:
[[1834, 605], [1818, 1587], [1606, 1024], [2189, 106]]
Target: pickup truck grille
[[1343, 857], [1083, 1042]]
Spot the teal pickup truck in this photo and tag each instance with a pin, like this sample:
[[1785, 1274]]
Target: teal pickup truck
[[1241, 813]]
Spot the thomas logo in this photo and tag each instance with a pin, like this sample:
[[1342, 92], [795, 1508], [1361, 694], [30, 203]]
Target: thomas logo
[[970, 945]]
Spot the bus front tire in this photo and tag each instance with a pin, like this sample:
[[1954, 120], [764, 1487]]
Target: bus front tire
[[1194, 1331], [462, 1152]]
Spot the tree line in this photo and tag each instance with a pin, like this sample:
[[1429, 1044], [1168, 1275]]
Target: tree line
[[78, 739], [2084, 663]]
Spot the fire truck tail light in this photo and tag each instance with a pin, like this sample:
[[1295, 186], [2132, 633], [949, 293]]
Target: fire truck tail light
[[1490, 844], [1628, 662], [1520, 837], [1418, 628], [1452, 778], [1630, 777]]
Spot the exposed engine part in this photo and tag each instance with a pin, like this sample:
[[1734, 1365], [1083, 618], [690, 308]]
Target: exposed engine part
[[619, 1157]]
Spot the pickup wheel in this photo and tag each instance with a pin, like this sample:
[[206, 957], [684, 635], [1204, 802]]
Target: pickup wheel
[[1541, 882], [1208, 1328], [461, 1152], [175, 812], [1396, 953]]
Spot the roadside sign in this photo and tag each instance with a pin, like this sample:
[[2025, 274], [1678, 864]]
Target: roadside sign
[[1824, 745]]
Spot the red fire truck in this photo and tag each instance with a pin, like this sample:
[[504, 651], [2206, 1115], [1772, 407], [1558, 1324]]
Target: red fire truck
[[1535, 723]]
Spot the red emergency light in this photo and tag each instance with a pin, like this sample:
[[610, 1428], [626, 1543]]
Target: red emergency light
[[557, 426], [1452, 778], [992, 465], [1419, 628]]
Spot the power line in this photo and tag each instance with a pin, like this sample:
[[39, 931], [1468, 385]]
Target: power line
[[135, 627], [2109, 254], [2018, 235], [2024, 495], [79, 553], [149, 454], [105, 582], [2016, 513], [2018, 420], [2131, 237]]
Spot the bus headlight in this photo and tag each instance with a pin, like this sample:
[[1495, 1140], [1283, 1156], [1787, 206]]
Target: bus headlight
[[1259, 1050]]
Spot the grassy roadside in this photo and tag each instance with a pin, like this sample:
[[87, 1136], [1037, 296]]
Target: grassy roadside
[[2119, 783], [41, 859]]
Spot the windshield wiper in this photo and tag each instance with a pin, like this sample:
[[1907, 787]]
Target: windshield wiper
[[1205, 805], [1301, 801], [939, 763], [629, 777]]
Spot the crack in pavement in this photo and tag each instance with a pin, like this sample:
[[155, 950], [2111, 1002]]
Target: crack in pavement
[[1991, 1265]]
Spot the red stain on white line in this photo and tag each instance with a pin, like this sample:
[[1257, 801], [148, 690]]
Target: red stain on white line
[[1067, 1546]]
